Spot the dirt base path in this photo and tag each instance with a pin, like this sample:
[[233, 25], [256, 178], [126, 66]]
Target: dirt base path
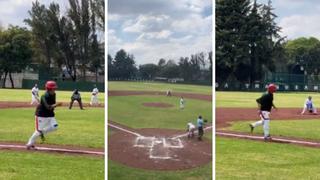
[[224, 116], [56, 149], [12, 104]]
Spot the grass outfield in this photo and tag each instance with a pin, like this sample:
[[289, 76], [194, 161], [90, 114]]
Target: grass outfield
[[148, 86], [248, 99], [243, 159], [128, 110], [24, 95], [29, 166], [120, 172], [76, 127], [308, 129]]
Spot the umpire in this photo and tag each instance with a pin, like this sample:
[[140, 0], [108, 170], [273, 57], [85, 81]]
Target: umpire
[[76, 97]]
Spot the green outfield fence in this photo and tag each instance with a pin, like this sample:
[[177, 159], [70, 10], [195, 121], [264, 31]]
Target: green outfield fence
[[284, 81], [65, 85], [199, 82]]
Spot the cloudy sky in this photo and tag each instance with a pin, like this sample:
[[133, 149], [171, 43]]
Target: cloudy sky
[[154, 29]]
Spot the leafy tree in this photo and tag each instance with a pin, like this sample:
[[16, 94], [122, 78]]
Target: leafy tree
[[15, 51], [124, 65], [148, 71]]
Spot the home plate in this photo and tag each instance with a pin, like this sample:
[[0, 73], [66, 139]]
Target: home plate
[[159, 151], [144, 141], [172, 143]]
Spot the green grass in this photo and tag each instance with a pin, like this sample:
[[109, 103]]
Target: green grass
[[120, 172], [243, 159], [248, 99], [29, 166], [76, 127], [152, 86], [308, 129], [24, 95], [128, 110]]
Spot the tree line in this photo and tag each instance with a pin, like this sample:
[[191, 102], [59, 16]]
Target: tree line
[[249, 45], [68, 44], [194, 68]]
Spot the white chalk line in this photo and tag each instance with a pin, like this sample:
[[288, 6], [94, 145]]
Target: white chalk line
[[125, 130], [274, 139], [54, 149], [186, 134]]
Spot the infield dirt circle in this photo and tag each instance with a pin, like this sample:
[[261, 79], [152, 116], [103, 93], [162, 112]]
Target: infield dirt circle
[[157, 149]]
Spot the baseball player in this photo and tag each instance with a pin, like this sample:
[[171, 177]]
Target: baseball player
[[168, 93], [76, 97], [182, 103], [309, 106], [35, 95], [265, 104], [200, 125], [44, 115], [94, 97], [190, 129]]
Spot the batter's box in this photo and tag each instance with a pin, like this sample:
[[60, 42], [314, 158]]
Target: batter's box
[[147, 142], [172, 143], [159, 151]]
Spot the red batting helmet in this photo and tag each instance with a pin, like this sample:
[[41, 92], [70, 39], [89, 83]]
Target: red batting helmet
[[50, 85], [272, 88]]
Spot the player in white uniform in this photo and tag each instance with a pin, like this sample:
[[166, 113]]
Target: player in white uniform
[[309, 106], [181, 103], [35, 95], [190, 129], [94, 97]]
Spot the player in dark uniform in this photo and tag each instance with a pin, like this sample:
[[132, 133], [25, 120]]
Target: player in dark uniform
[[44, 115], [76, 97], [265, 104]]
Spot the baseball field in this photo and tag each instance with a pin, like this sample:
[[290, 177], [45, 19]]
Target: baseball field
[[292, 154], [74, 151], [147, 131]]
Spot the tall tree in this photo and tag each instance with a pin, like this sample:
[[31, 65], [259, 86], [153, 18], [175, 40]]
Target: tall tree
[[124, 65]]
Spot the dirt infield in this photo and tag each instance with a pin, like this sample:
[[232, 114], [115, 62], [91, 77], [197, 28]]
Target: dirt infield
[[157, 104], [157, 149], [11, 104], [224, 116], [203, 97]]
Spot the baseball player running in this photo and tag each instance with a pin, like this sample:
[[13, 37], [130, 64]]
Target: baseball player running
[[35, 95], [309, 106], [265, 104], [94, 97], [44, 115]]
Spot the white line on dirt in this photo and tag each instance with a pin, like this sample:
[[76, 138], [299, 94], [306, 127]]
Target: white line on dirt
[[186, 134], [125, 130], [54, 149], [273, 139]]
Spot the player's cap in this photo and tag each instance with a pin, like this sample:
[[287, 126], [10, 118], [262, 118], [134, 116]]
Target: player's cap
[[272, 88], [51, 85]]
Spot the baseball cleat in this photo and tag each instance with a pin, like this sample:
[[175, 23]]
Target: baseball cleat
[[251, 128], [30, 147], [267, 139]]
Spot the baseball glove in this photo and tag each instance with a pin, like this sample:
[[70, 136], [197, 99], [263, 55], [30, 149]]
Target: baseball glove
[[205, 120]]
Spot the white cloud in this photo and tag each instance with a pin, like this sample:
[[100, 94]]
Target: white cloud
[[300, 25], [147, 23]]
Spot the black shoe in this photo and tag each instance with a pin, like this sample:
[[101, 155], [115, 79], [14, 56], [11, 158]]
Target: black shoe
[[268, 138], [30, 147], [251, 128]]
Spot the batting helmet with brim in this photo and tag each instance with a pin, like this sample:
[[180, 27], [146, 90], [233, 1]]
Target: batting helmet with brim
[[272, 88], [50, 85]]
